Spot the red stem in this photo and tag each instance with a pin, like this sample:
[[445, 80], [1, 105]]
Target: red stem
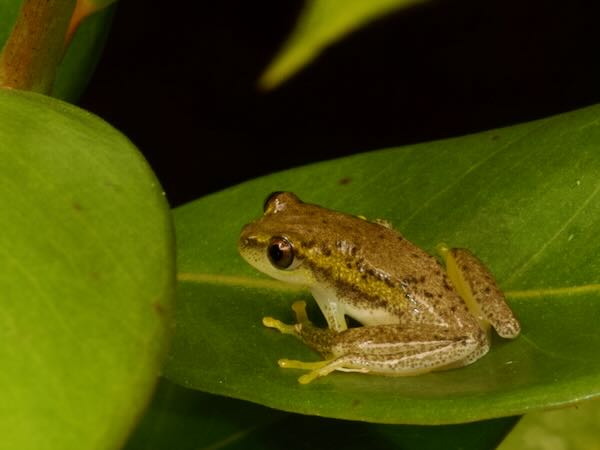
[[35, 47]]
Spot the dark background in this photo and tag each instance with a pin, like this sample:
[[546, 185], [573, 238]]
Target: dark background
[[181, 83]]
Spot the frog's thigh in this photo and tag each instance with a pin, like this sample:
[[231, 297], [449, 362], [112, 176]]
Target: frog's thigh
[[406, 348], [395, 350], [484, 290], [319, 339]]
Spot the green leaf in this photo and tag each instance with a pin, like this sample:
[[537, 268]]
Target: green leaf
[[573, 428], [188, 420], [87, 278], [525, 199], [82, 56], [185, 419], [9, 9], [322, 23]]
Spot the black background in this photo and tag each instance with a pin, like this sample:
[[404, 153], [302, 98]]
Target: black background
[[181, 83]]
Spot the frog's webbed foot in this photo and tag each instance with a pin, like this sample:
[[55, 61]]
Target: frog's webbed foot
[[299, 308]]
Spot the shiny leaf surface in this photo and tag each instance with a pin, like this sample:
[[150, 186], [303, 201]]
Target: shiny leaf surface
[[87, 278], [576, 427], [186, 419], [525, 199]]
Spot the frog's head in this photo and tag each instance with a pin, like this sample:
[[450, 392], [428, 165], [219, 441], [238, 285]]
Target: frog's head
[[275, 244]]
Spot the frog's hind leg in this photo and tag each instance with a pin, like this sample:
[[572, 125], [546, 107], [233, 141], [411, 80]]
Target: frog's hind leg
[[385, 349], [414, 361], [395, 350], [477, 287]]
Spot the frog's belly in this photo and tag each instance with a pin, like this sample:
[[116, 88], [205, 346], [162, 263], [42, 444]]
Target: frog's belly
[[371, 317]]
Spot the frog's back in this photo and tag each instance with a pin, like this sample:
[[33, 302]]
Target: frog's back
[[373, 267]]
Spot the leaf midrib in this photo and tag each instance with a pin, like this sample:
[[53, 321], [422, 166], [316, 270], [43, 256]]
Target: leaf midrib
[[262, 283]]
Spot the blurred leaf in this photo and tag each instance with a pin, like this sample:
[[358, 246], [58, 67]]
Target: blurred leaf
[[575, 428], [189, 420], [321, 23], [82, 55], [9, 9], [525, 199], [185, 419], [87, 278], [97, 5]]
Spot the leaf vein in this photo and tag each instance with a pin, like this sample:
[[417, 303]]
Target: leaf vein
[[457, 180], [531, 260], [267, 284]]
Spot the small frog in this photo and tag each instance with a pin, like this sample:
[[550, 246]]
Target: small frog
[[417, 316]]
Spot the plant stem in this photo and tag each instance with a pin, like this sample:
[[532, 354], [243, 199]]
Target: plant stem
[[36, 45]]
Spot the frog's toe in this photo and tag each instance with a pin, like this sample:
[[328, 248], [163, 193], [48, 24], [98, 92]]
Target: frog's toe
[[295, 364], [315, 367], [299, 308], [442, 249], [308, 377], [284, 328]]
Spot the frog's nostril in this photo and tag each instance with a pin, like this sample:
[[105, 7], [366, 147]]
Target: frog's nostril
[[245, 232]]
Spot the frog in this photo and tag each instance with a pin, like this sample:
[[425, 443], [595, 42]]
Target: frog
[[410, 313]]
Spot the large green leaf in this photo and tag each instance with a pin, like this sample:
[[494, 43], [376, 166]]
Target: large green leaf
[[188, 420], [321, 23], [87, 278], [185, 419], [525, 199], [574, 428]]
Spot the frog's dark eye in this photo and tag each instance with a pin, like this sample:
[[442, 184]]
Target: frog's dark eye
[[280, 252]]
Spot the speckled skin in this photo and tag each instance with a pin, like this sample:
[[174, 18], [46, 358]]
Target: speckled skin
[[414, 319]]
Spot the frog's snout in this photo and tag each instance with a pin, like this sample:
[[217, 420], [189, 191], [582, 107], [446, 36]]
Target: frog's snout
[[243, 241], [247, 242]]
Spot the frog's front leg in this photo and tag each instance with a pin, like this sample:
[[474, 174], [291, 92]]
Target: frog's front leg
[[294, 329], [319, 339], [476, 285]]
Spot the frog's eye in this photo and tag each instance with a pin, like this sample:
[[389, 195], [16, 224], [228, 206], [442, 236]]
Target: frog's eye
[[280, 252]]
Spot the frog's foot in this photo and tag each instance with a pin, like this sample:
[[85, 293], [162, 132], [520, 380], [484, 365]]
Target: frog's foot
[[293, 329], [284, 328], [317, 368]]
